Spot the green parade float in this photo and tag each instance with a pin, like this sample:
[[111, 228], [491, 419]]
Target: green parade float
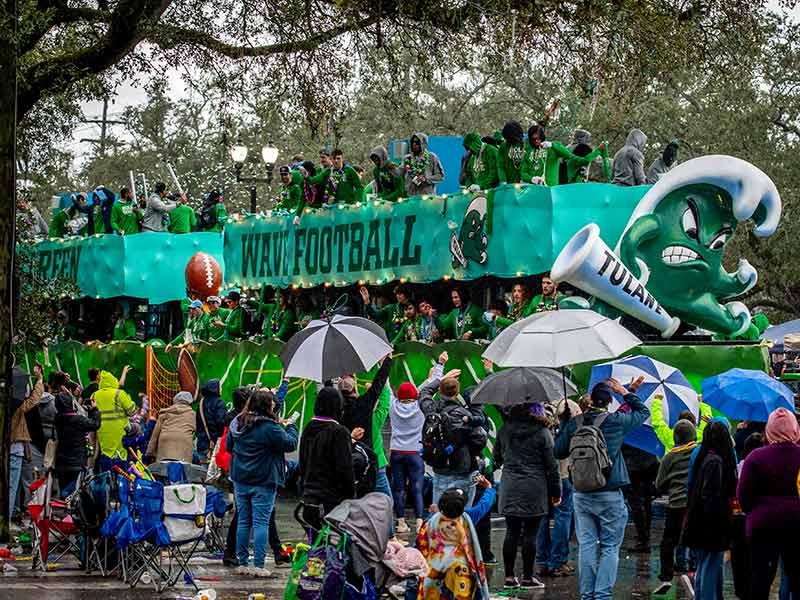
[[665, 273]]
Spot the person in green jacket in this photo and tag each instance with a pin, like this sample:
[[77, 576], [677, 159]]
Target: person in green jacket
[[58, 224], [481, 166], [215, 319], [388, 180], [124, 325], [464, 322], [280, 319], [541, 162], [548, 299], [391, 316], [234, 321], [213, 213], [510, 153], [342, 183], [662, 429], [182, 219], [196, 327], [519, 309], [290, 197], [410, 329], [125, 214]]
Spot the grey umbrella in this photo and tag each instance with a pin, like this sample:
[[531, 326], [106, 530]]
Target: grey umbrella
[[519, 385]]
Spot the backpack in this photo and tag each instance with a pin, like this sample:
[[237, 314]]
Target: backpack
[[365, 469], [589, 463], [443, 432]]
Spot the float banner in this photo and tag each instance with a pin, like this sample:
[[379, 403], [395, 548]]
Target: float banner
[[142, 265], [507, 232]]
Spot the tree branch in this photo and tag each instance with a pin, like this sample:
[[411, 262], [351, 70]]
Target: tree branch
[[128, 24], [170, 36]]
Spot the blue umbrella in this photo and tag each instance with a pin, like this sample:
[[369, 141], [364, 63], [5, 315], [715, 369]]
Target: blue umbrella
[[746, 395], [660, 379]]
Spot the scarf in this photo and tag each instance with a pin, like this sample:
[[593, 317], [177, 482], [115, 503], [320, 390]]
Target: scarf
[[454, 556]]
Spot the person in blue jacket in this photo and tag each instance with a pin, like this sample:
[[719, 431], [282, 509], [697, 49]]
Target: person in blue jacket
[[257, 440], [601, 515]]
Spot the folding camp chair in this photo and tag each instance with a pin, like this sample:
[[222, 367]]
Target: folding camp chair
[[55, 533]]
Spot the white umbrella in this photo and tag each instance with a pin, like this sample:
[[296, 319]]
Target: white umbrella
[[329, 348], [559, 338]]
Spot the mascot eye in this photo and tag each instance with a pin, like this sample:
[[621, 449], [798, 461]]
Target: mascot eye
[[718, 242], [690, 223]]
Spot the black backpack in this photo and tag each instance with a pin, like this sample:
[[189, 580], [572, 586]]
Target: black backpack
[[443, 433], [365, 469]]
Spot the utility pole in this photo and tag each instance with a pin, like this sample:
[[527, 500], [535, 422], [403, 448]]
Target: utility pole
[[104, 122]]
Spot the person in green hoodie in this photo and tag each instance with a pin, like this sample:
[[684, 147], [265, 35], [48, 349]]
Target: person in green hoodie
[[58, 224], [342, 183], [196, 327], [388, 180], [124, 325], [510, 153], [280, 319], [290, 197], [182, 218], [215, 318], [125, 214], [234, 322], [464, 322], [541, 162], [481, 166], [391, 316]]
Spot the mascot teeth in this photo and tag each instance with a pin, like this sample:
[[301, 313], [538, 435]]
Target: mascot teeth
[[673, 255]]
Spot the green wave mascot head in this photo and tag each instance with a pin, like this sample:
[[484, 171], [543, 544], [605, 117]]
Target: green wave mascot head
[[675, 239]]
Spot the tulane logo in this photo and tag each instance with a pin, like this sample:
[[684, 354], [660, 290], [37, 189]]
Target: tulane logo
[[470, 242]]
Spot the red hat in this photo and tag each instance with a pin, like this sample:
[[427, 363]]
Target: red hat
[[407, 391]]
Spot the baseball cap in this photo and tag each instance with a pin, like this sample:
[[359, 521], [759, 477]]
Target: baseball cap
[[196, 304], [213, 299]]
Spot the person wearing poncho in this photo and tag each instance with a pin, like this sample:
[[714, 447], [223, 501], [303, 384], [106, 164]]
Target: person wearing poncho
[[511, 151], [388, 180], [464, 322], [422, 168], [481, 167], [541, 162]]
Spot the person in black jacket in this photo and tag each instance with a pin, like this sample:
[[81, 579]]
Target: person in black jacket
[[326, 461], [707, 528], [210, 417], [357, 410], [643, 470], [71, 431]]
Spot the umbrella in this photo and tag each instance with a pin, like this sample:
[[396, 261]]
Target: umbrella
[[746, 395], [329, 348], [560, 338], [659, 379], [520, 385]]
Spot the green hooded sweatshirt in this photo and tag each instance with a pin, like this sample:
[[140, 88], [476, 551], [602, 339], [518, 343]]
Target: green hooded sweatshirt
[[125, 217], [544, 161], [215, 332], [58, 225], [278, 323], [390, 317], [482, 162], [510, 162], [124, 329], [182, 220], [234, 324], [389, 182], [291, 196], [458, 321], [343, 186]]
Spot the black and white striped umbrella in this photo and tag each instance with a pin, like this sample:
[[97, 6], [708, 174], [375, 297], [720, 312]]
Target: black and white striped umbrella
[[327, 349]]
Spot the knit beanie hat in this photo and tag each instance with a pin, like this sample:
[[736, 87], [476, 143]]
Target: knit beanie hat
[[782, 427], [684, 432], [407, 391], [183, 397], [602, 395]]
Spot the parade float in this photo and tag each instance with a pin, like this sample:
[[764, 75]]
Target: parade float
[[652, 255]]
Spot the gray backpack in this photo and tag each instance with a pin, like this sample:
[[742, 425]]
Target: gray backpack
[[589, 463]]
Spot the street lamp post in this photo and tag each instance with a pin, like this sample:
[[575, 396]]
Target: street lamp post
[[269, 154]]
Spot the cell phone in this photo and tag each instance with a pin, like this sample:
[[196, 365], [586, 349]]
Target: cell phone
[[293, 419]]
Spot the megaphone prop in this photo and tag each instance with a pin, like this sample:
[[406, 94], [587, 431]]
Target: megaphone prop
[[589, 264]]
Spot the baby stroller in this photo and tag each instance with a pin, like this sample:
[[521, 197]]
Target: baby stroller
[[55, 533], [364, 523]]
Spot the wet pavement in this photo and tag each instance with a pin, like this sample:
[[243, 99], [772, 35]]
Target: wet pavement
[[637, 575]]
